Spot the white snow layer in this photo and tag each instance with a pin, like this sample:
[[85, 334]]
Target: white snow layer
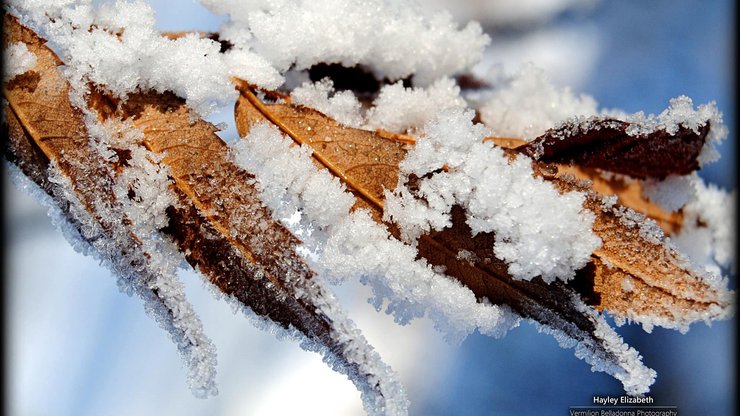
[[539, 232], [117, 46], [402, 110], [707, 234], [526, 104], [342, 106], [671, 193], [515, 13], [394, 39], [396, 108], [17, 59], [351, 243]]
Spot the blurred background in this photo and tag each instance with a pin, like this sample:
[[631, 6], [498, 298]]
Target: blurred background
[[76, 346]]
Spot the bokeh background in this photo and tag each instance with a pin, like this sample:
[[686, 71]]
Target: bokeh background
[[76, 346]]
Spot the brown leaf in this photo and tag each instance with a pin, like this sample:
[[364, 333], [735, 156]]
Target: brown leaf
[[633, 277], [605, 143], [638, 276], [671, 295], [218, 221], [45, 129]]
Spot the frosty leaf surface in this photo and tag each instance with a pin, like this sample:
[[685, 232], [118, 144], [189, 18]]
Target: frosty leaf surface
[[48, 139]]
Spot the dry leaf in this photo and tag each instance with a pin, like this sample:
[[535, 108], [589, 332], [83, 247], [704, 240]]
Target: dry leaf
[[637, 276], [218, 221], [664, 290], [45, 129], [607, 144]]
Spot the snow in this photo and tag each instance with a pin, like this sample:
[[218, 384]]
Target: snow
[[526, 104], [17, 59], [707, 233], [347, 245], [671, 193], [124, 52], [396, 108], [680, 113], [511, 12], [531, 236], [409, 41], [402, 110], [342, 106], [566, 53]]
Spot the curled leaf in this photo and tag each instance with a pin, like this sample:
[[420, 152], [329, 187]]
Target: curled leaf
[[621, 147]]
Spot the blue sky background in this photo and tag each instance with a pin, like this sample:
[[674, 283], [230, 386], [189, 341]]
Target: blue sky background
[[78, 347]]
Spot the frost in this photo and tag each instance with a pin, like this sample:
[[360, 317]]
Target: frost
[[17, 59], [143, 191], [526, 105], [151, 275], [342, 106], [396, 108], [680, 112], [538, 231], [58, 217], [499, 196], [707, 234], [410, 41], [117, 46], [382, 393], [671, 193], [351, 244], [647, 227], [400, 109], [627, 285], [608, 353]]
